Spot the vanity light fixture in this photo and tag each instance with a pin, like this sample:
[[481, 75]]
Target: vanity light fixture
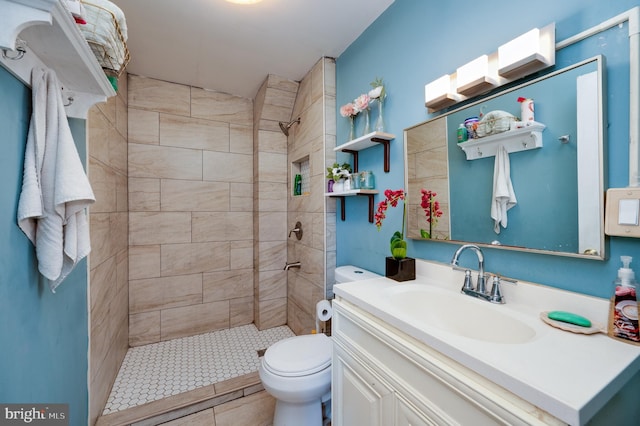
[[528, 53], [478, 76], [440, 93]]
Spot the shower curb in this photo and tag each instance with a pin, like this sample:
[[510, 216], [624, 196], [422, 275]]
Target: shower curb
[[176, 406]]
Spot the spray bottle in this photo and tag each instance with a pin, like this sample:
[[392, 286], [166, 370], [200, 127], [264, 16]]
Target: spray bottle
[[623, 312]]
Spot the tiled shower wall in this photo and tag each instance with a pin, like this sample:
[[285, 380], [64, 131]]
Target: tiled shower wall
[[190, 210], [274, 103], [108, 284], [313, 139]]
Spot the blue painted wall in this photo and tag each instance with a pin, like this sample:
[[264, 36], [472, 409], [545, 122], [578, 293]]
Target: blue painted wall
[[415, 42], [43, 355]]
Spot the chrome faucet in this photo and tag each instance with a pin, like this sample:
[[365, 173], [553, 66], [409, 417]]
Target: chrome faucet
[[480, 290], [288, 265]]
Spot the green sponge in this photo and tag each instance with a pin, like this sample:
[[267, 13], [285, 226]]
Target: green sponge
[[569, 318]]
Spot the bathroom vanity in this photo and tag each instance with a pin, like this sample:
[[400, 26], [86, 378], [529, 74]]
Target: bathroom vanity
[[422, 353]]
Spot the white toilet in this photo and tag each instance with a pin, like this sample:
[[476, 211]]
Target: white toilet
[[297, 371]]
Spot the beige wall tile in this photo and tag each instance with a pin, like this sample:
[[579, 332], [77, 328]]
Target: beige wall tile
[[282, 83], [254, 410], [144, 126], [227, 167], [272, 226], [122, 117], [144, 328], [190, 258], [185, 195], [104, 184], [241, 139], [241, 197], [269, 141], [144, 262], [222, 226], [122, 194], [273, 167], [195, 319], [273, 313], [98, 128], [186, 132], [108, 108], [277, 105], [153, 294], [157, 95], [272, 255], [159, 228], [225, 285], [118, 231], [153, 161], [144, 194], [272, 196], [101, 244], [221, 107], [271, 284], [241, 311], [241, 254]]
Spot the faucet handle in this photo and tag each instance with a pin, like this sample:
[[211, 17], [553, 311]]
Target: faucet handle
[[496, 294], [468, 281]]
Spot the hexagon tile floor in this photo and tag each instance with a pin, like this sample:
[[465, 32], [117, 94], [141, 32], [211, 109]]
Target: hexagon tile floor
[[159, 370]]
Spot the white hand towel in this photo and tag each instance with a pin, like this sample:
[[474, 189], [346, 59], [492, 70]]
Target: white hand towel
[[55, 188], [503, 196]]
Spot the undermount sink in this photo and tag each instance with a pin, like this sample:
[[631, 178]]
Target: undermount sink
[[458, 314]]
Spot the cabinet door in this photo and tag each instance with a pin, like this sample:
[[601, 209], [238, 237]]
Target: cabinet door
[[359, 398], [408, 415]]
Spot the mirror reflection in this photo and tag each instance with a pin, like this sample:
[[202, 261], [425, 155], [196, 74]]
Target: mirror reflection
[[547, 194]]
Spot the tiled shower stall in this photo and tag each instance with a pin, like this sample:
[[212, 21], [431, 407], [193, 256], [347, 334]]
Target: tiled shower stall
[[208, 207]]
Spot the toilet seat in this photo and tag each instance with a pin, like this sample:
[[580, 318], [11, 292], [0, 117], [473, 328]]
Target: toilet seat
[[299, 355]]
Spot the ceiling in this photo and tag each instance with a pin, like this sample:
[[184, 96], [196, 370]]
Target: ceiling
[[232, 48]]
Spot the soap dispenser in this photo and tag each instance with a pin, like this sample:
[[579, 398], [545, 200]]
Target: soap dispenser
[[623, 312]]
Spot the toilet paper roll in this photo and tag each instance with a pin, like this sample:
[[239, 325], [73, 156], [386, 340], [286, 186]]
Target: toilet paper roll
[[323, 310]]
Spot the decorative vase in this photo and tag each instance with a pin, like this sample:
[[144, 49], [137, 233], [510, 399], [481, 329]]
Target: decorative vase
[[366, 128], [338, 186], [400, 269], [352, 127], [330, 185], [380, 121]]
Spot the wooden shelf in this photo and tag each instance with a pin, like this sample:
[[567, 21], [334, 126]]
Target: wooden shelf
[[367, 141], [363, 192], [523, 139], [53, 41]]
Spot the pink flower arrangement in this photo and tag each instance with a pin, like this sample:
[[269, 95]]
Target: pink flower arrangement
[[362, 102], [431, 209], [398, 245], [348, 110]]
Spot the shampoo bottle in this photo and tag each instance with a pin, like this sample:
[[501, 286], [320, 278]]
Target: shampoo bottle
[[623, 312]]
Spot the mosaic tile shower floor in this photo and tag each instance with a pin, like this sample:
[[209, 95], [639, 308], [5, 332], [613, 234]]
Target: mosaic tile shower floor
[[152, 372]]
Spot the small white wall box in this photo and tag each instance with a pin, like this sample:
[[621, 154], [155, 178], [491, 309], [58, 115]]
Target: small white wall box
[[622, 215]]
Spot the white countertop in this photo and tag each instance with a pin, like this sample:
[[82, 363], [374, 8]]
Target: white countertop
[[571, 376]]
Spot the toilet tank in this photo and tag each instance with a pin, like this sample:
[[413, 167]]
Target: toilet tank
[[349, 273]]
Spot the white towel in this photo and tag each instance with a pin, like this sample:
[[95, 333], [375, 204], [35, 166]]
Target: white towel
[[503, 196], [55, 189]]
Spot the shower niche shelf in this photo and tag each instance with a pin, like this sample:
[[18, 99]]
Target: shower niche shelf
[[369, 193], [367, 141]]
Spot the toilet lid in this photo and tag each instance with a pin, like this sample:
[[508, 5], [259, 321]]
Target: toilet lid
[[299, 355]]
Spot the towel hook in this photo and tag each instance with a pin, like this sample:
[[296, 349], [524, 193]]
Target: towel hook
[[70, 101], [20, 50], [565, 138]]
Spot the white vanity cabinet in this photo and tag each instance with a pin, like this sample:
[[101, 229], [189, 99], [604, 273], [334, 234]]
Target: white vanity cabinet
[[382, 376]]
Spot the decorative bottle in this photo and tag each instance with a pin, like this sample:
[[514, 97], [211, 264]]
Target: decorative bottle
[[623, 310]]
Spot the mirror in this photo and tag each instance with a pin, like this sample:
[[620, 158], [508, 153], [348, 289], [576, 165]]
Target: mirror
[[558, 187]]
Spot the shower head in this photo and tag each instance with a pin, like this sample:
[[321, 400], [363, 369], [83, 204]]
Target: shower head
[[286, 126]]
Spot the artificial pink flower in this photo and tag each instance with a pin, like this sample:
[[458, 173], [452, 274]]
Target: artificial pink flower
[[362, 102], [348, 110]]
